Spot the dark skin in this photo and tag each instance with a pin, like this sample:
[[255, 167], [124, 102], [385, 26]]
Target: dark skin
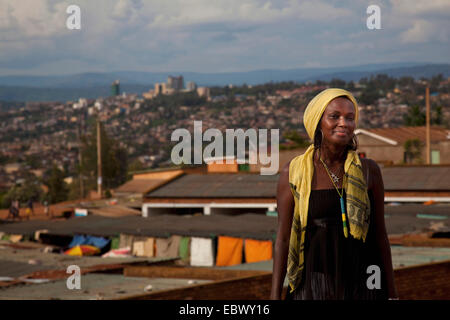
[[337, 125]]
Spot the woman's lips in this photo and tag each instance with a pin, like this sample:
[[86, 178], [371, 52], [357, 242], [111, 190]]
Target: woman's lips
[[340, 133]]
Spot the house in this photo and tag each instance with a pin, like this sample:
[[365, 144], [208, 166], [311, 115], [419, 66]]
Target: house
[[389, 145], [213, 193]]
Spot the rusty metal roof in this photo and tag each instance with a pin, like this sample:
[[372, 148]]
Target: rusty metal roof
[[255, 226], [403, 134], [416, 178], [219, 185], [140, 185]]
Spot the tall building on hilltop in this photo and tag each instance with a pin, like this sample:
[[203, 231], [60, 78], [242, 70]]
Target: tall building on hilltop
[[191, 86], [176, 83], [115, 88], [204, 92], [160, 88]]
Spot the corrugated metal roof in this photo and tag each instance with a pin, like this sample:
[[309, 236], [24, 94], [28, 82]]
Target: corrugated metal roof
[[403, 134], [93, 287], [402, 219], [219, 186], [140, 185], [115, 211], [17, 269], [416, 178], [256, 226]]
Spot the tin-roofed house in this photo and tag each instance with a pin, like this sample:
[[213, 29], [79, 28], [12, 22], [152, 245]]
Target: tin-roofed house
[[213, 193], [404, 145]]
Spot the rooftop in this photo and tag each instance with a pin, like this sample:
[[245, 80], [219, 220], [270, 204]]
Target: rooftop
[[416, 178], [219, 185], [402, 134], [93, 287], [254, 226]]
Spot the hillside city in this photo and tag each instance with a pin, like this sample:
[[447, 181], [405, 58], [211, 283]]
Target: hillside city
[[36, 138]]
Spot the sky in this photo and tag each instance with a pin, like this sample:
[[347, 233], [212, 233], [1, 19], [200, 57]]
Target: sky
[[217, 35]]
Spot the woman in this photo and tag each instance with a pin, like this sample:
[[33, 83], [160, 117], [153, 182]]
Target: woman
[[331, 213]]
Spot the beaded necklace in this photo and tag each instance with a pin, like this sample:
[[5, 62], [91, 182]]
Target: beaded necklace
[[341, 196]]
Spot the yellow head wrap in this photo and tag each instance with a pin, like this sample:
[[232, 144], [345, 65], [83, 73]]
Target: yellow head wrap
[[301, 171], [319, 103]]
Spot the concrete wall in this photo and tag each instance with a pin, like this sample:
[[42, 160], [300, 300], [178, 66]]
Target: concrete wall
[[378, 150]]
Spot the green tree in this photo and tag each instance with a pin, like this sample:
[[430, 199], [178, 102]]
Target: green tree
[[34, 161], [134, 166], [413, 150], [299, 141], [435, 81], [29, 188], [437, 119], [58, 190], [337, 83], [114, 160], [415, 117]]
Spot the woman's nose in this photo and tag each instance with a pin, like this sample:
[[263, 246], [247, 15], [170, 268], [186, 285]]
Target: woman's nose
[[342, 122]]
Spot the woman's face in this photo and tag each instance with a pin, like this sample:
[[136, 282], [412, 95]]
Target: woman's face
[[338, 122]]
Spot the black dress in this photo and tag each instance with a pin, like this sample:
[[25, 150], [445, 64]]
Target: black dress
[[335, 266]]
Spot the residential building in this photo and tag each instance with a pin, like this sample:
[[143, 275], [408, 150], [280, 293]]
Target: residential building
[[390, 145]]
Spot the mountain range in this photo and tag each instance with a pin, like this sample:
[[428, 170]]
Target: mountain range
[[93, 85]]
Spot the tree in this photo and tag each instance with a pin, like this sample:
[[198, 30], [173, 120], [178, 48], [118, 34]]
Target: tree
[[57, 187], [114, 160], [437, 119], [435, 81], [299, 141], [134, 166], [369, 96], [413, 150], [337, 83], [29, 188], [415, 117]]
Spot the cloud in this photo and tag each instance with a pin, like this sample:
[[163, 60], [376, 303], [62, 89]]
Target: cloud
[[221, 35], [422, 8], [28, 19], [127, 10], [421, 21], [250, 12], [423, 31]]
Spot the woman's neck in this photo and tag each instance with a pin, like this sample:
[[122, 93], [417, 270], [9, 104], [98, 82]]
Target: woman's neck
[[332, 154]]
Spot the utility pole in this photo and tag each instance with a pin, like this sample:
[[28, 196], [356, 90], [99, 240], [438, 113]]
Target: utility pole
[[428, 142], [80, 160], [99, 160]]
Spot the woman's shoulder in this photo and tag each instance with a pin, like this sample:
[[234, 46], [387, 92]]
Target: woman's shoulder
[[368, 162], [371, 170]]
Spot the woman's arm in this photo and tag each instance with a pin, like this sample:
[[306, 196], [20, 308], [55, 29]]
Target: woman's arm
[[285, 208], [380, 228]]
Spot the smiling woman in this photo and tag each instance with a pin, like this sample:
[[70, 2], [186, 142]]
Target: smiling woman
[[331, 233], [337, 124]]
